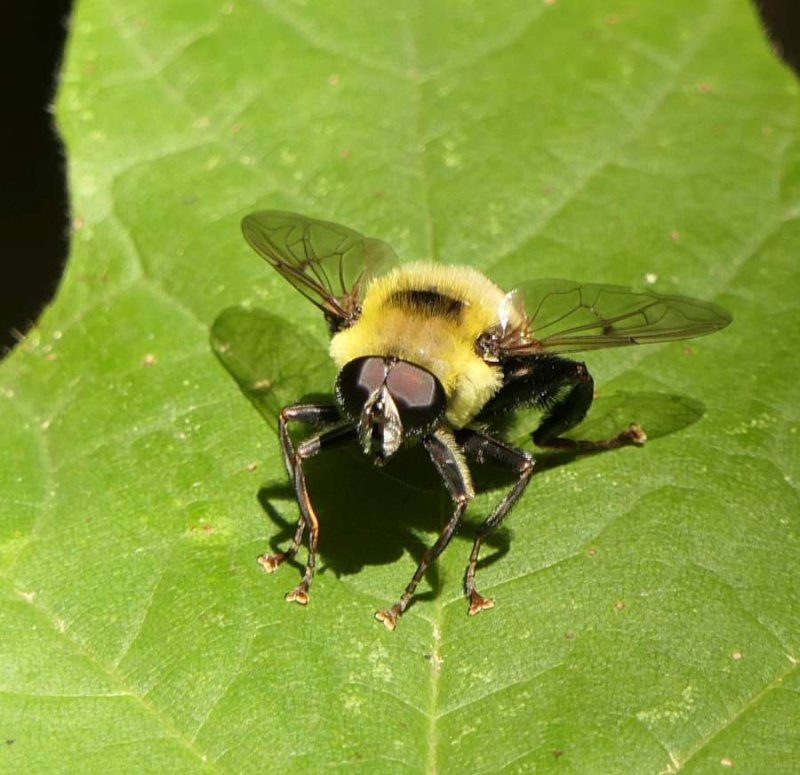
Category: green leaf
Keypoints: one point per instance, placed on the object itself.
(648, 614)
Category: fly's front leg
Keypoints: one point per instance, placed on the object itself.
(316, 415)
(310, 414)
(450, 464)
(481, 445)
(306, 450)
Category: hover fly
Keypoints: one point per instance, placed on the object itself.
(432, 354)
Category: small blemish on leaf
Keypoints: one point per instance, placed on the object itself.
(435, 660)
(148, 359)
(262, 384)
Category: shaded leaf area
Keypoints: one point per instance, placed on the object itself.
(269, 361)
(647, 613)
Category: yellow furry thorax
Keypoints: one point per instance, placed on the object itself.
(393, 324)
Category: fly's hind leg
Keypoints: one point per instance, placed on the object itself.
(562, 387)
(567, 410)
(481, 446)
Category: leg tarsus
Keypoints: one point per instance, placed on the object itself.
(633, 435)
(478, 603)
(299, 594)
(389, 616)
(271, 562)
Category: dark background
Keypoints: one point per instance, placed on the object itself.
(34, 199)
(33, 194)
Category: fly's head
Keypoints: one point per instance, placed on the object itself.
(389, 401)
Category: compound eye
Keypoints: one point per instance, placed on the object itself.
(418, 395)
(357, 381)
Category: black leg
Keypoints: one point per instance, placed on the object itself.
(316, 415)
(444, 453)
(570, 409)
(313, 415)
(565, 389)
(481, 446)
(310, 414)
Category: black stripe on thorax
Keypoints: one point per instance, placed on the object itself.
(428, 302)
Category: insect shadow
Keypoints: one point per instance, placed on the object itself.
(370, 516)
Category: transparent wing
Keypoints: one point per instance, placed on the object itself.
(328, 263)
(564, 316)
